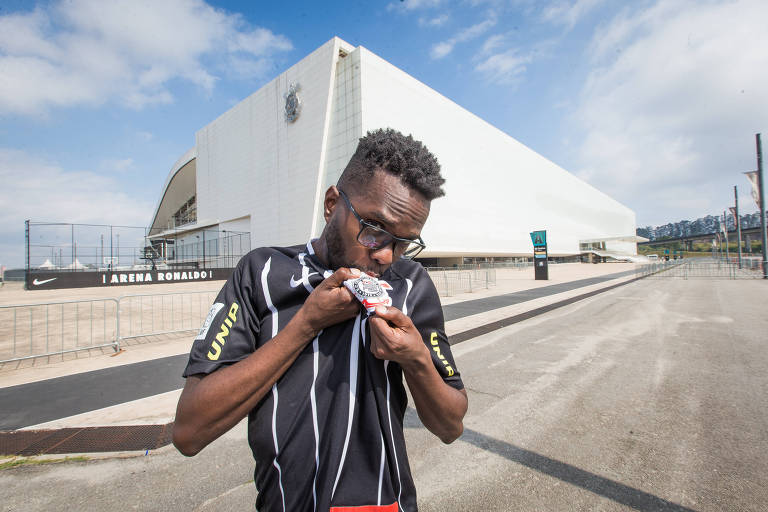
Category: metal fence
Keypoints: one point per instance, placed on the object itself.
(54, 328)
(519, 265)
(93, 247)
(451, 281)
(37, 330)
(700, 268)
(151, 315)
(34, 330)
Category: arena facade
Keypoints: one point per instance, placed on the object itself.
(263, 167)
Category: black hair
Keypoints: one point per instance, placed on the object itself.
(397, 154)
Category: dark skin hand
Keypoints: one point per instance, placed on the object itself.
(441, 407)
(212, 404)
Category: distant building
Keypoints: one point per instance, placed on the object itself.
(261, 170)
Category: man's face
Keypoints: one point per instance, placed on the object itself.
(384, 202)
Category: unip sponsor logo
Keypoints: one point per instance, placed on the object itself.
(221, 337)
(440, 356)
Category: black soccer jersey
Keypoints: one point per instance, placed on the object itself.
(330, 434)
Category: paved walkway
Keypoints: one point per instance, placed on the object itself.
(146, 391)
(649, 396)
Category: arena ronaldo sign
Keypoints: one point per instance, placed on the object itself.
(49, 280)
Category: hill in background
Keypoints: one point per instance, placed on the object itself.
(700, 226)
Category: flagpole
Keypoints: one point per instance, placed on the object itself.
(761, 188)
(738, 220)
(725, 235)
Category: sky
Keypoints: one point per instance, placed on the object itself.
(654, 102)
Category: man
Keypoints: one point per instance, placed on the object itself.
(287, 344)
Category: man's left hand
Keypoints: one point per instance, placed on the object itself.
(395, 338)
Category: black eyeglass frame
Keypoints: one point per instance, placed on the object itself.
(393, 239)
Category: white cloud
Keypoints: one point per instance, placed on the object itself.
(440, 50)
(118, 164)
(670, 109)
(492, 43)
(411, 5)
(437, 21)
(569, 13)
(86, 52)
(39, 190)
(505, 67)
(443, 48)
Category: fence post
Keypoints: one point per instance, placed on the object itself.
(116, 345)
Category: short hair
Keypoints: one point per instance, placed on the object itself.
(399, 155)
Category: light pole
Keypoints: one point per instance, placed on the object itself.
(761, 189)
(737, 219)
(225, 248)
(725, 235)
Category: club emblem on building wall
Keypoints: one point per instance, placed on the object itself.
(292, 103)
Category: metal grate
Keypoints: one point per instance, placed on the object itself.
(85, 439)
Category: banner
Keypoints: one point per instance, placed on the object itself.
(48, 280)
(735, 217)
(752, 177)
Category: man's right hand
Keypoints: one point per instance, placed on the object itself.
(330, 303)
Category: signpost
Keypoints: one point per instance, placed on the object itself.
(539, 239)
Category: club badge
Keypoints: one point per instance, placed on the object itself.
(370, 292)
(292, 103)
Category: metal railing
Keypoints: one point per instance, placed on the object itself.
(155, 314)
(37, 330)
(699, 268)
(47, 329)
(450, 281)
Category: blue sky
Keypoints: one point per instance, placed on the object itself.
(655, 103)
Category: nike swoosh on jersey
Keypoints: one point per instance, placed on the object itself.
(295, 283)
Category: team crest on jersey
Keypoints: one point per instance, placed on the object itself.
(209, 320)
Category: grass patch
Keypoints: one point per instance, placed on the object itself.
(14, 463)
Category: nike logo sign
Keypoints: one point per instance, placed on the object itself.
(38, 283)
(295, 283)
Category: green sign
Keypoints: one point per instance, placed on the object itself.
(539, 238)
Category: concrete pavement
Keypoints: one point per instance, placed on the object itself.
(646, 397)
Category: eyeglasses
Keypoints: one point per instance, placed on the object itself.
(374, 237)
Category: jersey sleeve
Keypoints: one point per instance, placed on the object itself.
(426, 312)
(230, 330)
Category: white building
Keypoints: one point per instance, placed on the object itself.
(254, 170)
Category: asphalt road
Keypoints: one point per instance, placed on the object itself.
(648, 397)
